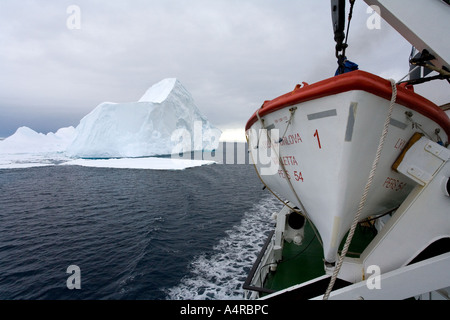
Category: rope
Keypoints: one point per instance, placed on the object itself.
(268, 188)
(302, 208)
(269, 138)
(365, 193)
(292, 110)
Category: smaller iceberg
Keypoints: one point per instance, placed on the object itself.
(27, 148)
(164, 121)
(26, 140)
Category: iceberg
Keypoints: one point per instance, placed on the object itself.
(27, 148)
(26, 140)
(164, 121)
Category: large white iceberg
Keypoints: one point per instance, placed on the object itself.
(164, 121)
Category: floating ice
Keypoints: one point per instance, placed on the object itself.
(164, 121)
(140, 163)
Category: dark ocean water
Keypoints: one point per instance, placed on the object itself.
(134, 234)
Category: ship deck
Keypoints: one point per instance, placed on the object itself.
(301, 263)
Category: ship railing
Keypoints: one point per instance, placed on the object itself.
(254, 284)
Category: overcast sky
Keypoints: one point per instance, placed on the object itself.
(231, 55)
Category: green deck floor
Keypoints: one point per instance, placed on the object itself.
(305, 262)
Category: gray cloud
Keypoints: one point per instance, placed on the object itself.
(231, 55)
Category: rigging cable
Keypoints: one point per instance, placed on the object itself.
(341, 56)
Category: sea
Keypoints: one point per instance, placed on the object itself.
(87, 233)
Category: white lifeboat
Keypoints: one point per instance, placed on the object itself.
(315, 147)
